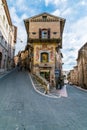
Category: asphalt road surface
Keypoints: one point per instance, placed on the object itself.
(22, 108)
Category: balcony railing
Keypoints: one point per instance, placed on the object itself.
(32, 40)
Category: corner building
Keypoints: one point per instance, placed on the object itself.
(44, 41)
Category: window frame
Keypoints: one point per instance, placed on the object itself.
(44, 60)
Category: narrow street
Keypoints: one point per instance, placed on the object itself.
(22, 108)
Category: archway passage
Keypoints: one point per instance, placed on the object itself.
(0, 58)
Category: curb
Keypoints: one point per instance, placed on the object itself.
(6, 73)
(80, 88)
(43, 94)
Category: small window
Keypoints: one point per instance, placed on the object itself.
(3, 18)
(5, 43)
(54, 32)
(7, 26)
(33, 33)
(0, 56)
(44, 17)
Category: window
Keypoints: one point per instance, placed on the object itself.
(3, 19)
(33, 33)
(7, 26)
(44, 57)
(0, 58)
(44, 33)
(5, 44)
(44, 18)
(54, 32)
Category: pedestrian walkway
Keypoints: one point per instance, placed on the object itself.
(4, 73)
(62, 92)
(53, 91)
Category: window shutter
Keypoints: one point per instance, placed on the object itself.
(48, 33)
(39, 33)
(60, 28)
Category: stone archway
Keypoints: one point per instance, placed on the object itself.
(0, 58)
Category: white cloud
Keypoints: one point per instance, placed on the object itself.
(67, 11)
(74, 39)
(21, 33)
(14, 15)
(56, 2)
(56, 12)
(82, 3)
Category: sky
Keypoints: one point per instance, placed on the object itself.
(75, 30)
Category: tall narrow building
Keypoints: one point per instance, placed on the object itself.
(44, 41)
(8, 34)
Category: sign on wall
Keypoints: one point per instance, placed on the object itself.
(57, 73)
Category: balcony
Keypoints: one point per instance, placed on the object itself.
(53, 40)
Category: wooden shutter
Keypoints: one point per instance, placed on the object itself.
(48, 33)
(39, 33)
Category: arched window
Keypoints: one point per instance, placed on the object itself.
(44, 57)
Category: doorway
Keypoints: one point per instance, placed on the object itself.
(0, 58)
(45, 74)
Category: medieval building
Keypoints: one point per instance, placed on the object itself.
(82, 66)
(44, 41)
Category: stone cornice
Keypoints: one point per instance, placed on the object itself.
(7, 11)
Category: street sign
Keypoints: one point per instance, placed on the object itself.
(57, 73)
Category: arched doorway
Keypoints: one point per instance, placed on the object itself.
(0, 58)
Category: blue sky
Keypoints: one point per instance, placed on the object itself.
(75, 30)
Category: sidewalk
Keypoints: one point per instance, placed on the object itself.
(53, 93)
(4, 73)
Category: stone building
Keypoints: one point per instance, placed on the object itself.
(65, 74)
(16, 60)
(44, 41)
(22, 59)
(71, 76)
(82, 66)
(8, 33)
(75, 80)
(24, 55)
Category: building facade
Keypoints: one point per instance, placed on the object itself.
(8, 33)
(44, 37)
(78, 75)
(82, 66)
(75, 80)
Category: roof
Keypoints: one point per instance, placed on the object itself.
(81, 49)
(42, 14)
(26, 21)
